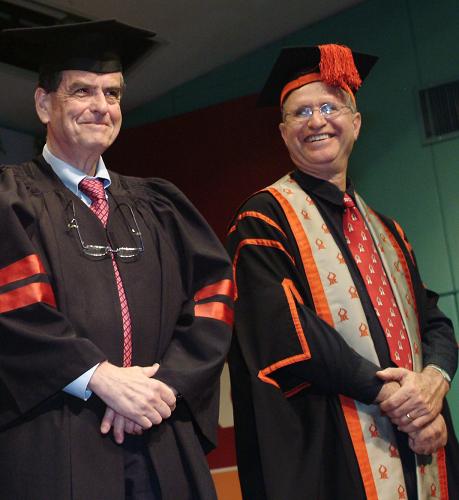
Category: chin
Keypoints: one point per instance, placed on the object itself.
(321, 161)
(99, 143)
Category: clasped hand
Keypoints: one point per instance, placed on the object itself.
(135, 400)
(413, 402)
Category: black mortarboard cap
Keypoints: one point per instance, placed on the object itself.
(295, 61)
(106, 46)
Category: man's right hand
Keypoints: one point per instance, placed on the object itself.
(132, 393)
(387, 390)
(419, 400)
(423, 439)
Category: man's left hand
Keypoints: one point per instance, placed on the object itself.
(429, 439)
(121, 425)
(419, 399)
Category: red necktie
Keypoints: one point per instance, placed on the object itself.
(378, 287)
(94, 189)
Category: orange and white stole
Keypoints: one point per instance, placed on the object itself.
(337, 302)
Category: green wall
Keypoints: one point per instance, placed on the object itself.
(418, 184)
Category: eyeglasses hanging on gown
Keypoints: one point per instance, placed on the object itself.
(101, 251)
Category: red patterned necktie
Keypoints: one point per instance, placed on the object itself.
(378, 287)
(94, 189)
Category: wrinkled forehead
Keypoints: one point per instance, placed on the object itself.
(71, 77)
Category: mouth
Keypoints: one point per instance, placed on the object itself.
(317, 137)
(96, 124)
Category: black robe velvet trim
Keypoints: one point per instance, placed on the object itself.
(299, 447)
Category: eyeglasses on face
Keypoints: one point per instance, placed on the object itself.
(102, 251)
(329, 111)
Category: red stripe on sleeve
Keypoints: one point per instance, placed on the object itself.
(223, 287)
(21, 269)
(215, 310)
(27, 295)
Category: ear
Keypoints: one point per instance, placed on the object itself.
(357, 122)
(283, 131)
(43, 105)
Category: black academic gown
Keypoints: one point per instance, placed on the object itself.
(298, 448)
(50, 444)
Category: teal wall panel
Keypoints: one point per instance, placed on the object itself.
(435, 31)
(446, 157)
(448, 304)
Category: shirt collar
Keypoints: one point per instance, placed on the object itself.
(71, 176)
(322, 188)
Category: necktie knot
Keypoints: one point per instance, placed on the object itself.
(348, 201)
(93, 188)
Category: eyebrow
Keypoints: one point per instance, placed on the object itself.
(81, 83)
(325, 100)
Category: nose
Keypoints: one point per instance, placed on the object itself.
(99, 102)
(317, 119)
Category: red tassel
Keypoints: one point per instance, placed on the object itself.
(337, 66)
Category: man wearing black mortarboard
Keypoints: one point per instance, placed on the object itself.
(341, 359)
(115, 296)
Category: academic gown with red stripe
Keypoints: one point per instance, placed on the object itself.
(60, 315)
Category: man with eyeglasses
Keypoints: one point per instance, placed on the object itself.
(341, 359)
(115, 296)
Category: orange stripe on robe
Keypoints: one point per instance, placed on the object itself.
(442, 474)
(255, 242)
(318, 295)
(291, 293)
(256, 215)
(358, 442)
